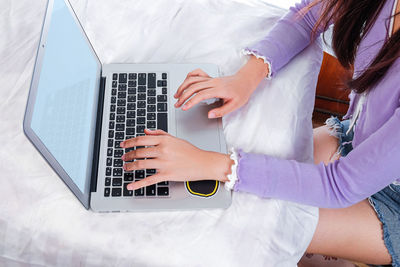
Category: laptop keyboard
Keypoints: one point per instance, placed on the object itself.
(138, 101)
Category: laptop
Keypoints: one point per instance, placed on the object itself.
(78, 111)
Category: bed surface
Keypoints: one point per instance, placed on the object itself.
(41, 222)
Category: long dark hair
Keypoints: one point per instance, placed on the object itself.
(352, 21)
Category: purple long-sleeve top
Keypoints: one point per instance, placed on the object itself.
(374, 162)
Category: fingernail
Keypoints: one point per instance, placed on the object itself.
(184, 107)
(121, 144)
(212, 115)
(123, 157)
(130, 187)
(124, 167)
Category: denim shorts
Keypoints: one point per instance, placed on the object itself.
(386, 202)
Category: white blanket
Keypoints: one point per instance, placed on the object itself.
(41, 222)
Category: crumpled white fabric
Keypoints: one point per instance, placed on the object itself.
(41, 222)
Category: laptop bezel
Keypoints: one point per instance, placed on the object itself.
(83, 197)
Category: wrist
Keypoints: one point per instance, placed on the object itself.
(254, 71)
(219, 166)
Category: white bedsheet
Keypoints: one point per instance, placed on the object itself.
(41, 222)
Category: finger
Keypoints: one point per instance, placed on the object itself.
(154, 179)
(148, 152)
(141, 165)
(193, 89)
(155, 132)
(226, 108)
(203, 95)
(188, 82)
(141, 141)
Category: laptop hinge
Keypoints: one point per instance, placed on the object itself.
(96, 148)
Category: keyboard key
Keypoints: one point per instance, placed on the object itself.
(141, 120)
(117, 144)
(164, 83)
(151, 100)
(117, 182)
(107, 181)
(116, 192)
(111, 125)
(151, 80)
(129, 149)
(162, 191)
(159, 83)
(132, 91)
(141, 97)
(151, 124)
(151, 171)
(131, 106)
(128, 176)
(121, 118)
(141, 112)
(132, 83)
(120, 127)
(110, 142)
(162, 121)
(151, 92)
(162, 98)
(139, 174)
(161, 107)
(122, 87)
(110, 134)
(112, 108)
(118, 153)
(130, 131)
(130, 123)
(151, 190)
(163, 183)
(140, 129)
(113, 100)
(164, 76)
(164, 91)
(127, 193)
(109, 162)
(121, 94)
(132, 76)
(129, 137)
(113, 92)
(131, 114)
(117, 172)
(108, 171)
(112, 116)
(139, 192)
(123, 78)
(115, 76)
(119, 135)
(118, 163)
(141, 104)
(114, 84)
(121, 102)
(142, 89)
(151, 116)
(132, 98)
(109, 152)
(142, 79)
(121, 110)
(107, 192)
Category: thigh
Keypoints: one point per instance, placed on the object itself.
(353, 233)
(325, 145)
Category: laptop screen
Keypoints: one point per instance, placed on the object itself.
(63, 113)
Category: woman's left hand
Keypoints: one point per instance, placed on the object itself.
(174, 159)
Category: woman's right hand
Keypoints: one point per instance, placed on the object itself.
(233, 90)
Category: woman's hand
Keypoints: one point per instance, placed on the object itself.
(174, 159)
(234, 90)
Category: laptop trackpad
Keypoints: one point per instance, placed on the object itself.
(195, 127)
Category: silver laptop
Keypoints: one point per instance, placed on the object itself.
(79, 110)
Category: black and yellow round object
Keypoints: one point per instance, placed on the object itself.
(206, 188)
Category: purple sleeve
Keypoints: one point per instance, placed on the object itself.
(289, 36)
(368, 168)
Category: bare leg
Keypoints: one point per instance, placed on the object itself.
(353, 233)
